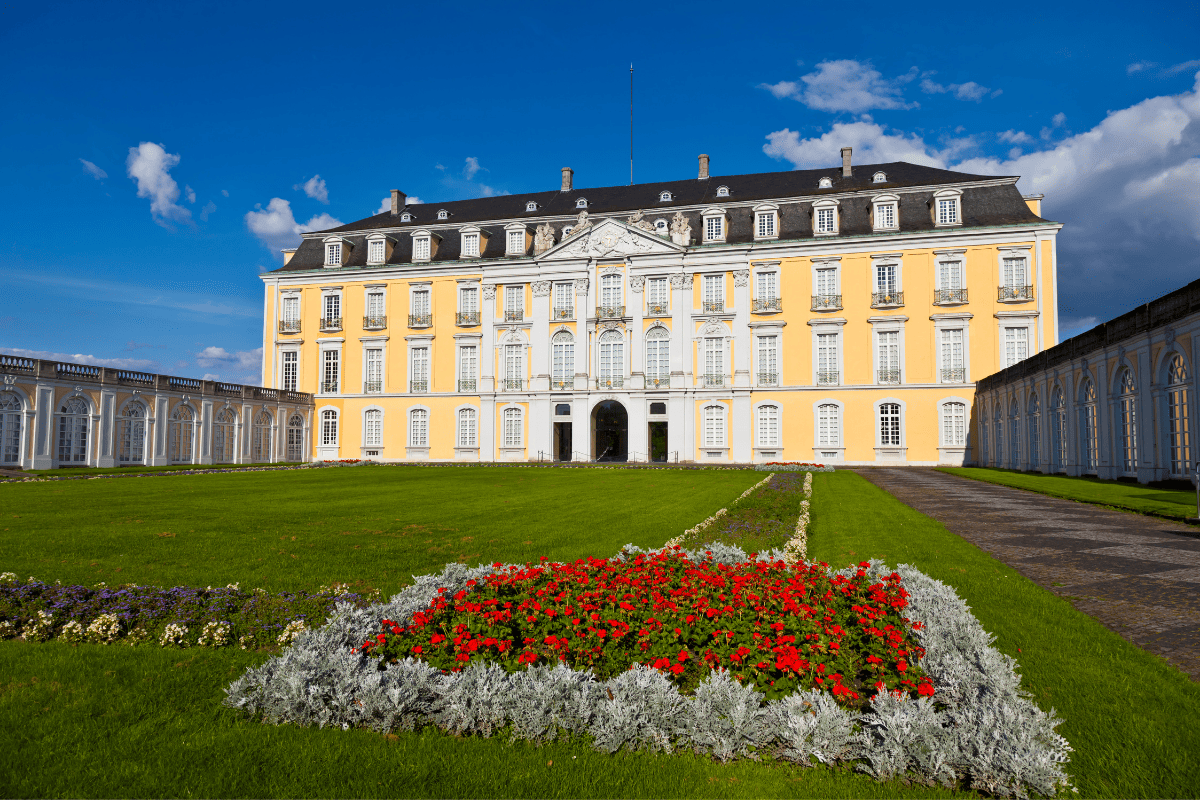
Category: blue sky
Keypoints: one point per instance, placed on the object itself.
(156, 156)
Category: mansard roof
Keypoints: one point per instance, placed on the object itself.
(995, 202)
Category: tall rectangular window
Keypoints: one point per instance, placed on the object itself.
(374, 370)
(330, 370)
(1016, 345)
(827, 359)
(468, 367)
(374, 304)
(657, 296)
(768, 426)
(885, 279)
(418, 428)
(375, 251)
(714, 229)
(470, 245)
(947, 211)
(827, 281)
(714, 361)
(514, 303)
(291, 363)
(421, 248)
(333, 308)
(466, 428)
(889, 424)
(714, 292)
(513, 429)
(768, 360)
(333, 254)
(885, 216)
(954, 424)
(516, 243)
(373, 428)
(291, 308)
(766, 224)
(826, 220)
(950, 275)
(562, 370)
(714, 426)
(658, 355)
(766, 285)
(1015, 274)
(419, 357)
(468, 299)
(420, 302)
(514, 366)
(829, 426)
(610, 290)
(888, 361)
(951, 352)
(564, 301)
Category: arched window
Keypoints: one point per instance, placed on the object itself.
(224, 436)
(131, 433)
(179, 434)
(768, 426)
(418, 428)
(829, 425)
(954, 424)
(658, 356)
(295, 438)
(443, 214)
(825, 183)
(1014, 434)
(372, 427)
(664, 197)
(562, 357)
(1178, 427)
(329, 427)
(1034, 415)
(1058, 432)
(466, 428)
(514, 430)
(73, 431)
(531, 206)
(10, 428)
(1087, 426)
(581, 202)
(714, 426)
(612, 359)
(889, 424)
(998, 450)
(722, 191)
(661, 227)
(261, 437)
(1127, 393)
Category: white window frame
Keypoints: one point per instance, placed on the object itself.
(718, 411)
(421, 293)
(877, 409)
(1015, 323)
(771, 274)
(375, 289)
(378, 251)
(507, 441)
(771, 338)
(877, 204)
(531, 206)
(332, 294)
(826, 205)
(887, 261)
(367, 437)
(879, 177)
(722, 191)
(283, 362)
(516, 240)
(943, 410)
(443, 214)
(512, 290)
(760, 409)
(414, 344)
(830, 263)
(944, 322)
(664, 197)
(422, 246)
(610, 359)
(418, 434)
(954, 198)
(335, 251)
(563, 378)
(324, 415)
(828, 326)
(662, 373)
(471, 445)
(470, 243)
(80, 433)
(581, 202)
(838, 448)
(561, 292)
(662, 227)
(286, 298)
(887, 325)
(717, 216)
(710, 280)
(323, 360)
(658, 293)
(406, 217)
(766, 222)
(368, 344)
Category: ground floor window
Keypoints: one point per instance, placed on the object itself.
(954, 424)
(889, 424)
(224, 436)
(73, 431)
(295, 438)
(179, 435)
(513, 429)
(466, 427)
(10, 429)
(261, 443)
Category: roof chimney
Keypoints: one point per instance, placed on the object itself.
(703, 168)
(568, 174)
(846, 151)
(398, 200)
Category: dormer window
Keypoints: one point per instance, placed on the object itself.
(714, 225)
(884, 212)
(662, 227)
(825, 217)
(946, 207)
(581, 202)
(880, 177)
(470, 243)
(422, 246)
(335, 252)
(825, 183)
(515, 243)
(664, 197)
(722, 191)
(567, 230)
(406, 217)
(531, 206)
(443, 214)
(378, 250)
(766, 222)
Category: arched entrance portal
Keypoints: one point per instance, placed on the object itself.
(610, 424)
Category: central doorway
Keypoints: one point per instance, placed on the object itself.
(610, 422)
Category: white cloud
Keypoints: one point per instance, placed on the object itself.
(1015, 137)
(1138, 67)
(225, 192)
(219, 357)
(870, 142)
(471, 167)
(315, 188)
(140, 364)
(208, 209)
(190, 193)
(845, 85)
(276, 227)
(385, 206)
(963, 91)
(93, 170)
(465, 184)
(1184, 67)
(149, 164)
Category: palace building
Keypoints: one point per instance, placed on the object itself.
(839, 315)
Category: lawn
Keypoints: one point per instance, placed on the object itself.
(90, 471)
(119, 721)
(1113, 494)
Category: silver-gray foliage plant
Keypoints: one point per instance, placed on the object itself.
(979, 727)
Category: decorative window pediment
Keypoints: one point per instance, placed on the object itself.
(337, 251)
(825, 217)
(947, 207)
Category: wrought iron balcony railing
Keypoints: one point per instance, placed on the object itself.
(562, 383)
(420, 320)
(765, 304)
(713, 306)
(466, 385)
(887, 376)
(614, 382)
(826, 302)
(289, 326)
(374, 323)
(466, 318)
(712, 381)
(610, 312)
(514, 315)
(658, 381)
(373, 387)
(1014, 294)
(827, 377)
(949, 297)
(887, 299)
(418, 386)
(331, 323)
(329, 387)
(768, 379)
(563, 312)
(658, 309)
(954, 375)
(512, 384)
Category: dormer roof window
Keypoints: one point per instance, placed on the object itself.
(947, 207)
(470, 247)
(406, 217)
(722, 191)
(880, 177)
(423, 243)
(581, 202)
(336, 251)
(443, 214)
(664, 197)
(531, 206)
(825, 183)
(825, 217)
(379, 249)
(662, 227)
(766, 221)
(884, 212)
(515, 240)
(714, 224)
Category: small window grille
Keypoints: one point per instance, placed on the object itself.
(714, 228)
(333, 254)
(466, 427)
(418, 428)
(516, 242)
(826, 220)
(373, 428)
(948, 211)
(889, 425)
(766, 224)
(581, 203)
(443, 214)
(885, 215)
(664, 197)
(421, 248)
(722, 191)
(470, 246)
(880, 177)
(290, 365)
(406, 217)
(531, 206)
(375, 253)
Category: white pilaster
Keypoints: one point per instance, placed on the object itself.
(539, 364)
(639, 429)
(487, 355)
(681, 335)
(581, 424)
(742, 436)
(741, 331)
(487, 426)
(108, 402)
(582, 346)
(637, 349)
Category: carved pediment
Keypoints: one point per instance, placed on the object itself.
(611, 238)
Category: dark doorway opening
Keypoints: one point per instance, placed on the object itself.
(562, 441)
(611, 424)
(658, 441)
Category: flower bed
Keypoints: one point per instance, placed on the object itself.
(978, 730)
(792, 466)
(766, 518)
(783, 627)
(177, 617)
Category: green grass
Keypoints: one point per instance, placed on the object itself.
(1133, 719)
(370, 526)
(1113, 494)
(73, 471)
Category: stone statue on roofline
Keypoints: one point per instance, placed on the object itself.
(638, 221)
(581, 224)
(681, 229)
(543, 240)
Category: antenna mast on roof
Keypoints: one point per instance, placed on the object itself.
(631, 124)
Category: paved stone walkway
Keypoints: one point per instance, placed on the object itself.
(1138, 575)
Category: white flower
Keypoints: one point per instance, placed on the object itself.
(293, 629)
(215, 634)
(173, 635)
(6, 577)
(72, 632)
(105, 629)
